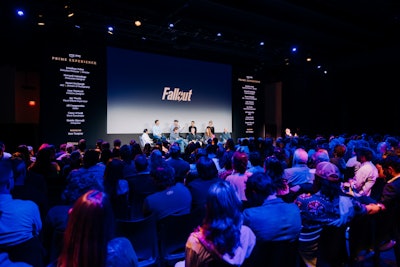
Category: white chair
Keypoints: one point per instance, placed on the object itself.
(141, 142)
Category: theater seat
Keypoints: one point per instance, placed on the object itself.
(274, 254)
(143, 235)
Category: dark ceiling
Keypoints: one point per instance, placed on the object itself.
(340, 32)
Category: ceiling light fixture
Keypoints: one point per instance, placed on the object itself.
(110, 30)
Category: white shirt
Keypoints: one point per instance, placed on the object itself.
(146, 138)
(157, 130)
(364, 179)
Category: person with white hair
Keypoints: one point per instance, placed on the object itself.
(299, 177)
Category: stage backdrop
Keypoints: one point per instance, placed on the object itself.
(113, 93)
(143, 87)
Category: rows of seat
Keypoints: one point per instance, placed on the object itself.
(160, 242)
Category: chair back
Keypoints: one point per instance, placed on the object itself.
(173, 232)
(31, 252)
(141, 141)
(274, 254)
(143, 235)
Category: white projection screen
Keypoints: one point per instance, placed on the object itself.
(143, 87)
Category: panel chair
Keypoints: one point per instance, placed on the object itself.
(173, 232)
(142, 233)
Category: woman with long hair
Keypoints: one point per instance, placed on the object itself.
(89, 237)
(222, 237)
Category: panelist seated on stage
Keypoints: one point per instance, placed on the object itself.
(225, 135)
(157, 132)
(193, 136)
(176, 124)
(174, 137)
(146, 138)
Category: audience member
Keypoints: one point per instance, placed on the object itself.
(20, 223)
(156, 159)
(105, 154)
(365, 177)
(337, 158)
(389, 204)
(239, 175)
(207, 175)
(222, 237)
(3, 153)
(228, 152)
(327, 210)
(117, 188)
(74, 162)
(256, 162)
(46, 166)
(127, 160)
(352, 164)
(274, 168)
(171, 197)
(299, 176)
(82, 146)
(270, 218)
(89, 176)
(141, 185)
(26, 188)
(89, 236)
(181, 166)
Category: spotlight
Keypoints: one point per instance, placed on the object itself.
(20, 12)
(138, 23)
(219, 34)
(261, 43)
